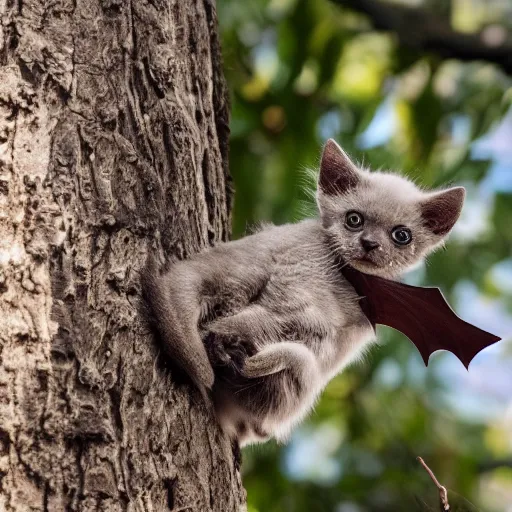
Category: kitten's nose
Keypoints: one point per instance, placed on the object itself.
(369, 245)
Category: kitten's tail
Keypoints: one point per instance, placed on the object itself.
(156, 306)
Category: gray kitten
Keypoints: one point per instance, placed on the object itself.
(267, 321)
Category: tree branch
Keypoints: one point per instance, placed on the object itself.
(423, 30)
(490, 465)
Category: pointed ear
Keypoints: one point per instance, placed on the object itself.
(442, 209)
(337, 172)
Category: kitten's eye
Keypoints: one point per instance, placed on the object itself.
(401, 235)
(354, 220)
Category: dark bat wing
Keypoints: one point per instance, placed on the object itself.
(422, 314)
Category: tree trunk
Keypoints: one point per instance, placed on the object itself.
(113, 143)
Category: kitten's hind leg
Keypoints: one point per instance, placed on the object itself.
(272, 391)
(280, 384)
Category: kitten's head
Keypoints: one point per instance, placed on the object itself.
(381, 223)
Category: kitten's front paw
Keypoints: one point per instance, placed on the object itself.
(216, 351)
(230, 351)
(239, 352)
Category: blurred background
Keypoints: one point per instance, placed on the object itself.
(423, 87)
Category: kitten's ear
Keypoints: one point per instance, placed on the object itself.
(337, 172)
(442, 209)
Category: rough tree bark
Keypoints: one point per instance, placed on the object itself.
(113, 142)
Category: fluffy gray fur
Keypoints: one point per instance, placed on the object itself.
(267, 321)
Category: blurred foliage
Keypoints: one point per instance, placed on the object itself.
(302, 71)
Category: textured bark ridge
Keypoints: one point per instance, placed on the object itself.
(113, 142)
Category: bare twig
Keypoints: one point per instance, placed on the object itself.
(443, 493)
